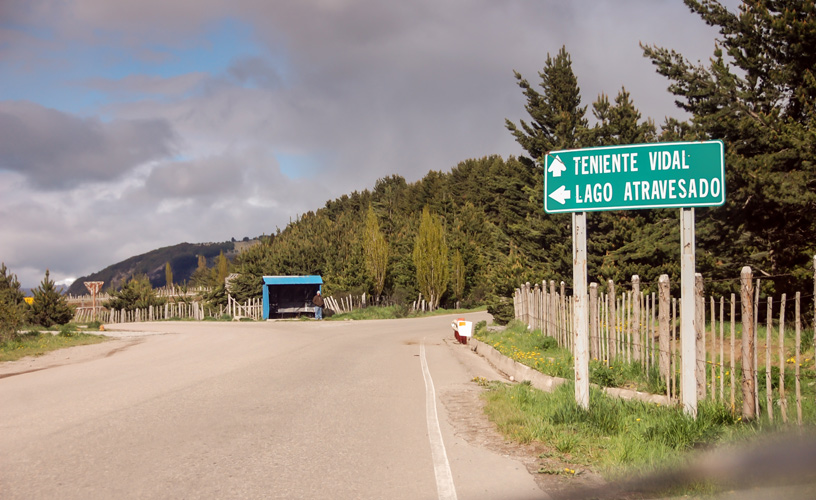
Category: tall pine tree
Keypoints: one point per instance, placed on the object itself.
(758, 94)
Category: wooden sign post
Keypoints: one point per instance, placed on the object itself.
(94, 287)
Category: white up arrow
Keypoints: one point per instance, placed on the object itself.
(556, 167)
(561, 195)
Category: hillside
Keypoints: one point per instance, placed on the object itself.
(183, 259)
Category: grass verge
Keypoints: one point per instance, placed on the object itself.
(396, 312)
(37, 343)
(616, 438)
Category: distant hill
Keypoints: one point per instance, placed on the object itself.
(183, 259)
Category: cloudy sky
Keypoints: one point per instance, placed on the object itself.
(129, 125)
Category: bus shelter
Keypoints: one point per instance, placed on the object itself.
(289, 295)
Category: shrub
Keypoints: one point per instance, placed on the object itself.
(502, 310)
(137, 293)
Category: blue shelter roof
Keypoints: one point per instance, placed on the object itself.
(293, 280)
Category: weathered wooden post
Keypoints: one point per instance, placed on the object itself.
(552, 326)
(594, 323)
(664, 360)
(637, 345)
(783, 400)
(768, 386)
(699, 330)
(746, 293)
(612, 350)
(797, 359)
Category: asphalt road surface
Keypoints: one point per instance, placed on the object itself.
(295, 409)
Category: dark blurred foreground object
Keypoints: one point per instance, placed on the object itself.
(780, 466)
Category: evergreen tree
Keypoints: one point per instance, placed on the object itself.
(557, 118)
(758, 95)
(136, 293)
(558, 121)
(376, 252)
(49, 307)
(12, 305)
(431, 257)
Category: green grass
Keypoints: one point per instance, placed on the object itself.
(37, 343)
(614, 437)
(618, 437)
(395, 312)
(531, 348)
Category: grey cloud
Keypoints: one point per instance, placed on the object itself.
(207, 178)
(54, 150)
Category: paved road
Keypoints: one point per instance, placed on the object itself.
(252, 410)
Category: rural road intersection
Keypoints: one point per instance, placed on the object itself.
(287, 409)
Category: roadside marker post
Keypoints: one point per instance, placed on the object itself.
(629, 177)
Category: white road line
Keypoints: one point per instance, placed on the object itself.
(444, 479)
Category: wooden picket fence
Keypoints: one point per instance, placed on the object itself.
(187, 310)
(348, 303)
(630, 326)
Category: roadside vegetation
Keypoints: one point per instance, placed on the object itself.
(615, 438)
(396, 312)
(36, 341)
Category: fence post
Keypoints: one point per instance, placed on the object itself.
(637, 342)
(663, 327)
(594, 324)
(699, 327)
(783, 400)
(797, 360)
(768, 386)
(613, 323)
(746, 293)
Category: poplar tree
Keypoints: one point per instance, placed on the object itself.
(758, 95)
(375, 250)
(168, 275)
(431, 257)
(221, 269)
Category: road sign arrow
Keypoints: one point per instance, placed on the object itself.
(561, 195)
(556, 167)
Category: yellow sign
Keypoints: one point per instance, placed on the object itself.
(29, 300)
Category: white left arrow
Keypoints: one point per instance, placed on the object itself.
(561, 195)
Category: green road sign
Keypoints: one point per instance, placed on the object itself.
(660, 175)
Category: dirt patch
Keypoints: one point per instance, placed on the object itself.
(66, 356)
(465, 409)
